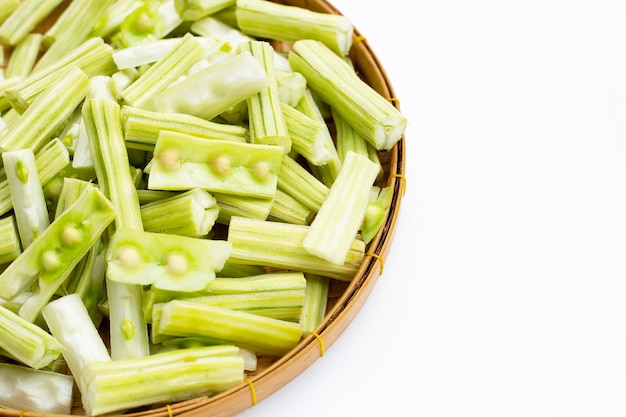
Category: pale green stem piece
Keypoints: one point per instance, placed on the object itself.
(257, 333)
(263, 282)
(266, 120)
(183, 162)
(152, 20)
(10, 247)
(299, 183)
(162, 378)
(29, 203)
(38, 391)
(235, 205)
(378, 205)
(315, 302)
(103, 123)
(371, 114)
(70, 323)
(337, 222)
(254, 243)
(264, 19)
(142, 127)
(287, 209)
(71, 29)
(129, 334)
(311, 107)
(281, 305)
(192, 213)
(26, 342)
(50, 110)
(7, 7)
(24, 19)
(308, 136)
(93, 57)
(279, 295)
(348, 139)
(163, 72)
(24, 56)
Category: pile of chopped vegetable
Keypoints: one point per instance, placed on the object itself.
(169, 171)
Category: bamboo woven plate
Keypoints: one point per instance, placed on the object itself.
(345, 299)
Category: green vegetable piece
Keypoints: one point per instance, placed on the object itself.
(183, 162)
(281, 305)
(71, 28)
(166, 261)
(49, 259)
(93, 57)
(10, 247)
(371, 114)
(142, 127)
(308, 136)
(106, 140)
(24, 19)
(25, 341)
(336, 224)
(24, 56)
(244, 206)
(287, 209)
(300, 184)
(164, 377)
(255, 243)
(279, 295)
(379, 201)
(47, 113)
(326, 173)
(192, 213)
(256, 333)
(348, 139)
(7, 7)
(29, 204)
(264, 19)
(315, 302)
(266, 120)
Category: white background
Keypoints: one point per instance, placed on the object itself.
(505, 290)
